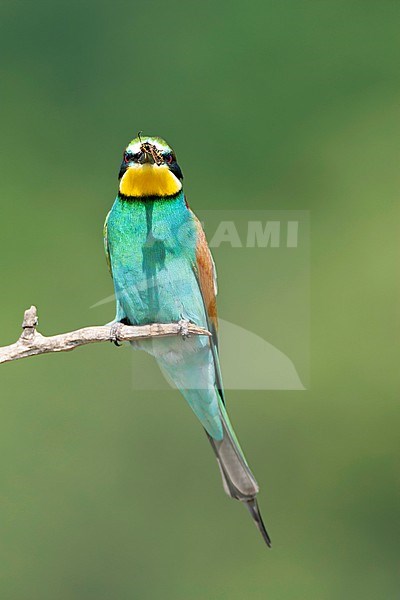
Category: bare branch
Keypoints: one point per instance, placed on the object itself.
(31, 342)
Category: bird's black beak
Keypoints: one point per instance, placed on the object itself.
(146, 157)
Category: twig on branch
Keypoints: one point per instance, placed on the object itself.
(31, 342)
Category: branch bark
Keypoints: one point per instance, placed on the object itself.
(31, 342)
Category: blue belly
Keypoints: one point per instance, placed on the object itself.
(152, 247)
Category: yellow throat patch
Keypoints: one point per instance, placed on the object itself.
(149, 180)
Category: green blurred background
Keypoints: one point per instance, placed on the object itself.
(110, 493)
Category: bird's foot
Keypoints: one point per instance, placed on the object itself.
(115, 332)
(184, 329)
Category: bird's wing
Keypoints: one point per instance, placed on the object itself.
(238, 480)
(204, 269)
(106, 248)
(206, 275)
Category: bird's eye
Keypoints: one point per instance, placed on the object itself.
(170, 158)
(129, 157)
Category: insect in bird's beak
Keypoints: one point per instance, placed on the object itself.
(150, 154)
(146, 157)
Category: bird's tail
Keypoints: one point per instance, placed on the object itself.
(237, 478)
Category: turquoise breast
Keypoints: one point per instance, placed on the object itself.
(152, 247)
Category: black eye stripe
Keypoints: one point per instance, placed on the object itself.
(130, 156)
(168, 156)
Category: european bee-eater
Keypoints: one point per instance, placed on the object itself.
(163, 272)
